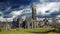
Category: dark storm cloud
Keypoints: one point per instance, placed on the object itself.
(4, 4)
(14, 4)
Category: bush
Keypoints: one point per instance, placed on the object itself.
(0, 30)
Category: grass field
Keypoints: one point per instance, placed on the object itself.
(30, 31)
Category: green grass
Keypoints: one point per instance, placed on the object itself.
(26, 31)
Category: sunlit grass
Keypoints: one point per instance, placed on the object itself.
(28, 31)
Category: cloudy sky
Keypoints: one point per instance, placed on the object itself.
(21, 8)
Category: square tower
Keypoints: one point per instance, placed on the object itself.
(34, 12)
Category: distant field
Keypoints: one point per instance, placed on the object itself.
(30, 31)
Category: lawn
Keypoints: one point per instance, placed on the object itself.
(29, 31)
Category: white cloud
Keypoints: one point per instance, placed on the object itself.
(1, 16)
(1, 13)
(16, 13)
(9, 19)
(24, 17)
(49, 0)
(43, 1)
(2, 19)
(58, 16)
(52, 7)
(27, 10)
(20, 12)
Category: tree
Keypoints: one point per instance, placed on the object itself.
(45, 21)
